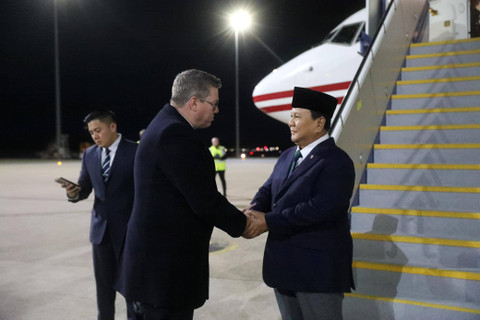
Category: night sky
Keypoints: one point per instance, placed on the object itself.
(123, 55)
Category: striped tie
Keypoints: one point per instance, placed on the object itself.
(106, 165)
(298, 155)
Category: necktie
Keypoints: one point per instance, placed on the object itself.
(106, 165)
(298, 155)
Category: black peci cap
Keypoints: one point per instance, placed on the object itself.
(314, 100)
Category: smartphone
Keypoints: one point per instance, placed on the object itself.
(65, 181)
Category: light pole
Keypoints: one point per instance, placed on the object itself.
(240, 20)
(58, 130)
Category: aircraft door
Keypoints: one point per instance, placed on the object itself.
(448, 20)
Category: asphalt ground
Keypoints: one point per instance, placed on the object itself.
(46, 267)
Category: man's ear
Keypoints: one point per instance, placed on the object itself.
(193, 104)
(321, 121)
(113, 126)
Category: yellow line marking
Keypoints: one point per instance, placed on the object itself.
(435, 95)
(416, 303)
(445, 66)
(428, 146)
(443, 80)
(442, 54)
(420, 213)
(417, 270)
(406, 239)
(388, 187)
(231, 247)
(431, 127)
(436, 43)
(436, 110)
(423, 166)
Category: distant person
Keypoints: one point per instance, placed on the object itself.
(164, 267)
(308, 254)
(219, 154)
(107, 168)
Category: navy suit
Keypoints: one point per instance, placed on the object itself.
(110, 214)
(165, 259)
(309, 246)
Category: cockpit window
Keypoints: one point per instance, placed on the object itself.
(347, 34)
(330, 36)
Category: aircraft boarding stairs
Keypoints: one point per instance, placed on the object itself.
(416, 229)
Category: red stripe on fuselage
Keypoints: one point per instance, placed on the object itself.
(289, 93)
(286, 107)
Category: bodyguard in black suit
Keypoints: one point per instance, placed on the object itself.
(107, 168)
(165, 260)
(308, 254)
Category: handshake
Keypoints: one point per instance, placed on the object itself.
(256, 223)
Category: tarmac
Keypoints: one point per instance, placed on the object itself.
(46, 267)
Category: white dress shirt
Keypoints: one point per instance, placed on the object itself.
(113, 149)
(305, 151)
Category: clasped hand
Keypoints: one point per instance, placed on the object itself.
(256, 223)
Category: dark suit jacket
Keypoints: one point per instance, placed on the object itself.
(309, 246)
(114, 200)
(165, 260)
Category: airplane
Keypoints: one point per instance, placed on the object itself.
(328, 67)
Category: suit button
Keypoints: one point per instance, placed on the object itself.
(274, 205)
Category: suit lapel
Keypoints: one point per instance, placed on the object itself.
(316, 155)
(98, 171)
(118, 156)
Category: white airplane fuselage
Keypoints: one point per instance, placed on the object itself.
(329, 67)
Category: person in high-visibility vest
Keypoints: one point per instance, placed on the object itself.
(219, 154)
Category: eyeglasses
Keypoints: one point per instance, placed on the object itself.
(214, 105)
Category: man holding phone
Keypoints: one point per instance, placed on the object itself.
(107, 168)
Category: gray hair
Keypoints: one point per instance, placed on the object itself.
(191, 83)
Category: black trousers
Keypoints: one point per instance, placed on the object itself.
(309, 305)
(221, 174)
(104, 267)
(145, 311)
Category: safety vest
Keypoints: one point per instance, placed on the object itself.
(219, 151)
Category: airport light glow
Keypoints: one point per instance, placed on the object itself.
(240, 20)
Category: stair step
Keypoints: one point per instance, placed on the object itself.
(452, 133)
(435, 100)
(421, 213)
(417, 283)
(453, 175)
(441, 71)
(363, 306)
(438, 85)
(427, 153)
(435, 59)
(433, 116)
(447, 228)
(415, 232)
(445, 46)
(419, 251)
(420, 197)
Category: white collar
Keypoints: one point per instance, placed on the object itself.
(113, 147)
(305, 151)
